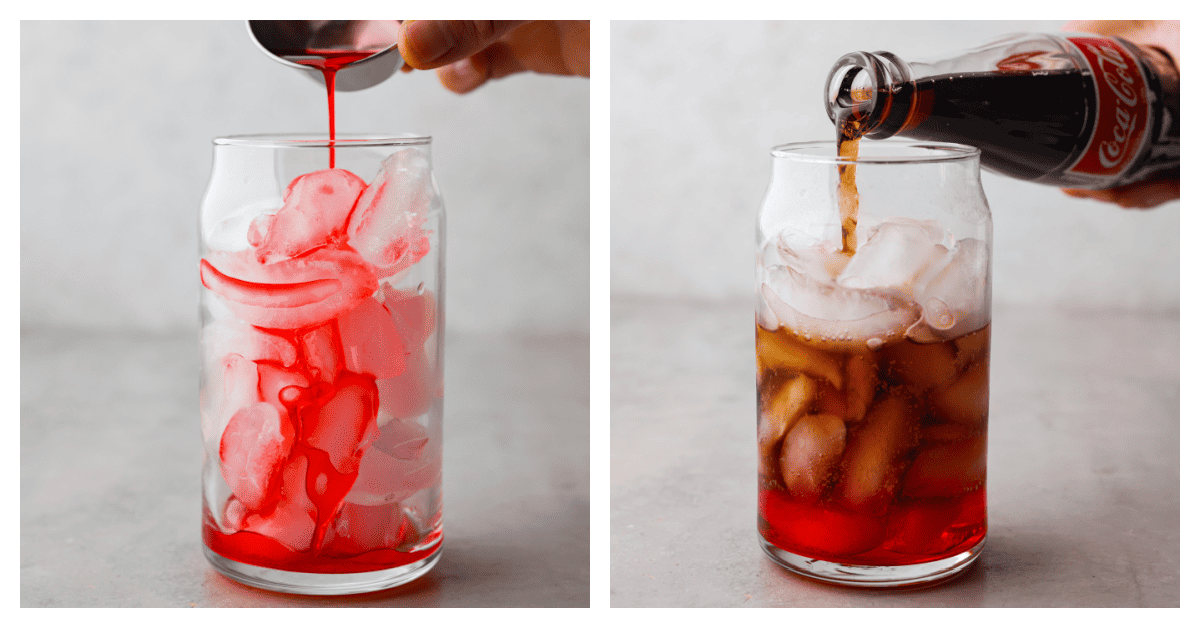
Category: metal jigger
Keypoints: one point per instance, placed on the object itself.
(292, 37)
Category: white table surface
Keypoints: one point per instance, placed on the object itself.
(1083, 466)
(110, 477)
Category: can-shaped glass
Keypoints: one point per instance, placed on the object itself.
(873, 317)
(321, 335)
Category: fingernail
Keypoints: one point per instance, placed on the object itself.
(426, 41)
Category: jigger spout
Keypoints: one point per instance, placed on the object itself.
(287, 41)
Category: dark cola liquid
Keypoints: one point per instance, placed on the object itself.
(872, 457)
(849, 133)
(1027, 125)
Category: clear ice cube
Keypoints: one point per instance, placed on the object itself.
(399, 462)
(254, 448)
(833, 316)
(370, 342)
(387, 226)
(955, 299)
(895, 256)
(315, 208)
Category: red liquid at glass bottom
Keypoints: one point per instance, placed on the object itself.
(913, 532)
(262, 551)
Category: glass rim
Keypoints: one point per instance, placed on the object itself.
(321, 140)
(916, 152)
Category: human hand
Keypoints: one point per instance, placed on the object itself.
(1162, 34)
(467, 54)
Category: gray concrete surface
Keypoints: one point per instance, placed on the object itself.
(110, 477)
(1083, 465)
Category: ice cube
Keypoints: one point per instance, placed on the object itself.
(230, 233)
(414, 316)
(361, 528)
(873, 456)
(414, 313)
(861, 379)
(821, 261)
(387, 226)
(223, 337)
(399, 462)
(832, 316)
(409, 394)
(384, 479)
(370, 342)
(895, 256)
(402, 439)
(793, 399)
(314, 213)
(235, 514)
(293, 293)
(233, 386)
(922, 366)
(274, 380)
(810, 454)
(322, 353)
(254, 448)
(777, 351)
(294, 520)
(966, 400)
(955, 299)
(948, 470)
(343, 421)
(764, 316)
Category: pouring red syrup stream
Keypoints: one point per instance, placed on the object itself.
(328, 62)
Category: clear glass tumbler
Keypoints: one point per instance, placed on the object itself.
(321, 334)
(873, 328)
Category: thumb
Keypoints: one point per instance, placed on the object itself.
(429, 44)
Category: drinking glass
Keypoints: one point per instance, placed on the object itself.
(873, 361)
(321, 334)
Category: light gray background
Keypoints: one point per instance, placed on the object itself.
(696, 107)
(117, 120)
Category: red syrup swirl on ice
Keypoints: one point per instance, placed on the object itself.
(320, 346)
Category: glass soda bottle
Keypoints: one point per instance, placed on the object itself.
(1077, 110)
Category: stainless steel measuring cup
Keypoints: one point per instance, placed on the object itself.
(278, 38)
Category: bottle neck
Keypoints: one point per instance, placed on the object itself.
(871, 94)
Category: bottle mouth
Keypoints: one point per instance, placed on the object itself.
(851, 84)
(861, 84)
(852, 87)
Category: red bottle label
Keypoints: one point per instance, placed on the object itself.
(1122, 108)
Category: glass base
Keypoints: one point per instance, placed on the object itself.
(873, 576)
(320, 583)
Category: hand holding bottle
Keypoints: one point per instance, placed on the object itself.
(467, 54)
(1163, 34)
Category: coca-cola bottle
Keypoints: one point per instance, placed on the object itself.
(1078, 111)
